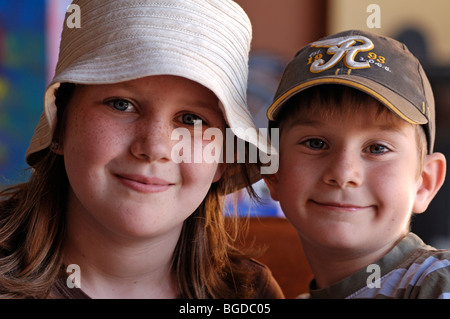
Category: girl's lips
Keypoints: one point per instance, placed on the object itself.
(144, 184)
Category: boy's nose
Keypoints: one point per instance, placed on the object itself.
(152, 141)
(344, 170)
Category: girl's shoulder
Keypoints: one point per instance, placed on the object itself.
(263, 282)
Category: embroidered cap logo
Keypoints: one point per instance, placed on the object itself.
(339, 48)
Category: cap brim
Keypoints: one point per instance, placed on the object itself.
(396, 103)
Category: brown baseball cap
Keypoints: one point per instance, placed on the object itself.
(377, 65)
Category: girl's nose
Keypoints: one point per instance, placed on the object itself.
(152, 140)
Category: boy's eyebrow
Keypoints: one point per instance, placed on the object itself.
(304, 122)
(388, 126)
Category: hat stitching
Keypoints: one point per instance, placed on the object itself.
(182, 9)
(107, 61)
(162, 5)
(127, 37)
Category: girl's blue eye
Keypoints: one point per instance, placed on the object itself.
(377, 149)
(315, 143)
(190, 119)
(121, 105)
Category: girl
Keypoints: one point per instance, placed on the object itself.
(105, 196)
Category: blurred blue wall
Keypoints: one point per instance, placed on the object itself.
(22, 82)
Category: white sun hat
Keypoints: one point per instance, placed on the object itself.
(206, 41)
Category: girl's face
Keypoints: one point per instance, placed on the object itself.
(117, 150)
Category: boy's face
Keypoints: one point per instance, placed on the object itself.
(348, 181)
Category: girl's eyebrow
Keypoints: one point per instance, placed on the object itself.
(132, 88)
(203, 105)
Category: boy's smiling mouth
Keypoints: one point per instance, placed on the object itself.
(337, 206)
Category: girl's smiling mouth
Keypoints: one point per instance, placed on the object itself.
(144, 184)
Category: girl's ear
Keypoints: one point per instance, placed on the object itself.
(433, 176)
(272, 184)
(219, 171)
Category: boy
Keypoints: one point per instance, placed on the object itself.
(356, 117)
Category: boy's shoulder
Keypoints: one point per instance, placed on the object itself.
(411, 270)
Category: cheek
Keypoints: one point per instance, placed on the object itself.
(196, 182)
(293, 188)
(89, 138)
(295, 174)
(89, 145)
(200, 160)
(198, 175)
(394, 187)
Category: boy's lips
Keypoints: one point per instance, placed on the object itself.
(340, 206)
(144, 184)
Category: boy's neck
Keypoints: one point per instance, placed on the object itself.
(331, 266)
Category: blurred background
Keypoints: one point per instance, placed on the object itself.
(29, 40)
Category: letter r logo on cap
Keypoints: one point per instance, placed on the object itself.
(339, 48)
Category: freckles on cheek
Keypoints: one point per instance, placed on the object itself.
(90, 137)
